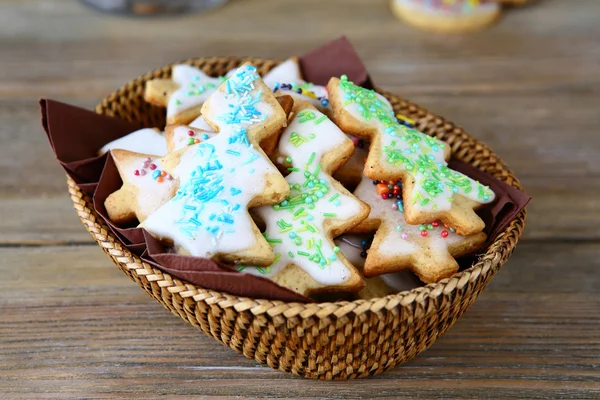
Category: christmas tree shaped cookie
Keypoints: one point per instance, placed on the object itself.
(189, 87)
(183, 94)
(428, 249)
(146, 187)
(432, 191)
(301, 227)
(224, 175)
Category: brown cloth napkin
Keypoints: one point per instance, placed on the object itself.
(509, 200)
(335, 58)
(76, 135)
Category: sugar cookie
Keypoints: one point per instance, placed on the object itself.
(146, 187)
(224, 175)
(428, 250)
(183, 94)
(204, 130)
(300, 228)
(431, 191)
(147, 141)
(180, 136)
(447, 16)
(354, 247)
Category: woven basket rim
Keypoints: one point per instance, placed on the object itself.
(487, 262)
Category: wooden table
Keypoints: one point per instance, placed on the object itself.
(73, 326)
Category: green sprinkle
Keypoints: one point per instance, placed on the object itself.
(288, 159)
(293, 169)
(332, 215)
(323, 118)
(336, 249)
(335, 196)
(177, 102)
(303, 253)
(311, 158)
(296, 139)
(291, 254)
(273, 240)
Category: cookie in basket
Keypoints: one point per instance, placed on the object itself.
(147, 141)
(447, 16)
(431, 190)
(181, 136)
(300, 228)
(224, 175)
(354, 247)
(183, 94)
(146, 187)
(429, 250)
(189, 87)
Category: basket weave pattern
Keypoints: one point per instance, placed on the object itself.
(323, 340)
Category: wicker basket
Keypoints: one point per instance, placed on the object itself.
(326, 340)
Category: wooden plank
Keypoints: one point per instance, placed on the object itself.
(75, 325)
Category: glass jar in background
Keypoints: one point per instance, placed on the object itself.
(153, 7)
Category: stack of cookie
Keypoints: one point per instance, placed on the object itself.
(286, 180)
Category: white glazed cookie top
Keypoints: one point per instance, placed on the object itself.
(403, 239)
(153, 185)
(183, 137)
(195, 87)
(146, 141)
(220, 176)
(408, 150)
(297, 227)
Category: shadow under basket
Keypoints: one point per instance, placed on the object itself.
(340, 340)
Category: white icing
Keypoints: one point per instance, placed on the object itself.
(146, 141)
(431, 149)
(287, 71)
(308, 137)
(459, 8)
(351, 248)
(200, 123)
(195, 87)
(180, 137)
(393, 244)
(242, 178)
(151, 194)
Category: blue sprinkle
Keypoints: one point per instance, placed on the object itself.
(155, 174)
(205, 137)
(234, 191)
(236, 207)
(337, 203)
(195, 221)
(292, 235)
